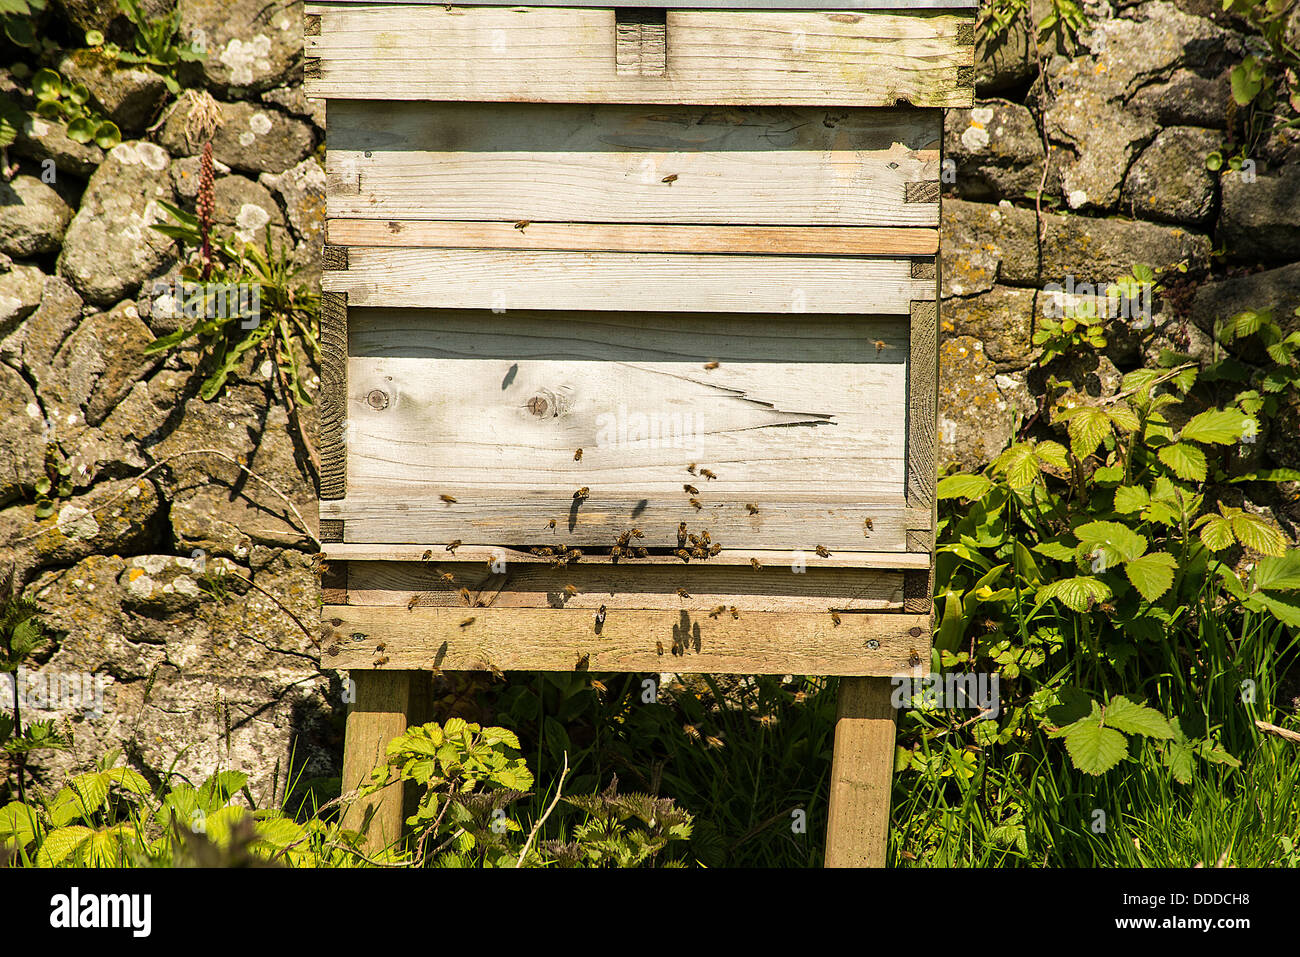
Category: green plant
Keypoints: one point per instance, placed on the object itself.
(58, 99)
(21, 633)
(156, 44)
(1065, 18)
(242, 300)
(17, 18)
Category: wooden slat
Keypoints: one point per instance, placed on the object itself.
(378, 713)
(641, 42)
(620, 237)
(567, 163)
(545, 279)
(333, 394)
(520, 519)
(624, 586)
(922, 411)
(714, 56)
(478, 554)
(316, 7)
(527, 639)
(857, 829)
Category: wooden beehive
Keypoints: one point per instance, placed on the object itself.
(670, 237)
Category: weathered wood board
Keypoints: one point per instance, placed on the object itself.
(564, 55)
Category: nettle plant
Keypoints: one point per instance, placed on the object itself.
(1115, 579)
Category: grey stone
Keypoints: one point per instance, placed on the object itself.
(102, 359)
(1002, 319)
(247, 210)
(33, 344)
(301, 190)
(110, 248)
(1187, 99)
(42, 139)
(21, 289)
(251, 44)
(1260, 219)
(252, 138)
(186, 173)
(976, 417)
(984, 245)
(129, 96)
(33, 217)
(1169, 180)
(1275, 289)
(1003, 60)
(997, 149)
(113, 518)
(293, 100)
(22, 421)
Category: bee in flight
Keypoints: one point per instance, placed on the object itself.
(465, 596)
(683, 593)
(717, 611)
(523, 223)
(691, 468)
(415, 600)
(467, 622)
(696, 503)
(711, 365)
(753, 509)
(571, 590)
(669, 179)
(449, 499)
(428, 553)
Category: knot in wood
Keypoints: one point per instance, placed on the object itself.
(377, 399)
(538, 406)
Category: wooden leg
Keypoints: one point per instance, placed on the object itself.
(857, 832)
(379, 714)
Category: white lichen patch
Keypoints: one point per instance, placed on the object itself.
(77, 522)
(245, 60)
(251, 218)
(259, 123)
(141, 586)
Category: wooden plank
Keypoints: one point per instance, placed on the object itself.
(377, 714)
(519, 519)
(714, 56)
(316, 7)
(922, 407)
(862, 768)
(503, 280)
(640, 41)
(333, 394)
(566, 163)
(622, 586)
(804, 419)
(480, 554)
(547, 639)
(334, 584)
(623, 237)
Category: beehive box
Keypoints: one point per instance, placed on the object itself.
(652, 285)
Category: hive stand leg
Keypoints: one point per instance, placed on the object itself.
(379, 714)
(857, 832)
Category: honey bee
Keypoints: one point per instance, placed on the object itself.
(683, 554)
(708, 474)
(465, 596)
(452, 546)
(756, 563)
(714, 549)
(428, 553)
(496, 672)
(692, 732)
(583, 662)
(735, 612)
(600, 617)
(711, 365)
(641, 552)
(753, 509)
(467, 622)
(659, 647)
(867, 526)
(714, 741)
(637, 533)
(599, 687)
(573, 555)
(415, 600)
(670, 179)
(821, 550)
(551, 523)
(880, 345)
(449, 499)
(571, 590)
(691, 468)
(835, 616)
(448, 577)
(542, 551)
(696, 503)
(683, 593)
(523, 224)
(379, 662)
(717, 612)
(681, 535)
(913, 657)
(582, 493)
(380, 647)
(690, 490)
(577, 456)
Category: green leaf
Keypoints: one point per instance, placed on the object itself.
(1216, 533)
(82, 130)
(61, 843)
(1056, 550)
(17, 825)
(107, 135)
(1152, 574)
(47, 85)
(1186, 461)
(964, 486)
(12, 119)
(1087, 427)
(1257, 534)
(1283, 611)
(1131, 498)
(1218, 426)
(1093, 748)
(1118, 541)
(1124, 715)
(1076, 593)
(1281, 573)
(1019, 464)
(1053, 454)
